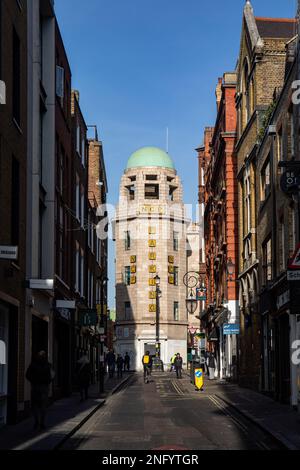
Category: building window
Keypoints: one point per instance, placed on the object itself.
(131, 192)
(151, 191)
(127, 275)
(279, 146)
(266, 180)
(291, 134)
(60, 82)
(281, 241)
(292, 230)
(267, 261)
(82, 273)
(82, 208)
(127, 241)
(77, 268)
(78, 139)
(175, 241)
(128, 313)
(16, 77)
(172, 191)
(83, 151)
(77, 199)
(15, 202)
(247, 203)
(176, 275)
(176, 311)
(151, 177)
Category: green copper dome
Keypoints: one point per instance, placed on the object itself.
(150, 156)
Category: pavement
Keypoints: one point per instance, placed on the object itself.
(278, 420)
(64, 418)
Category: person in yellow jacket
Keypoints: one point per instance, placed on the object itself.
(172, 362)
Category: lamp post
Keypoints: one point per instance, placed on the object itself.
(230, 269)
(158, 292)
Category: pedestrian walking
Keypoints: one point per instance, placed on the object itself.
(147, 364)
(84, 377)
(127, 362)
(120, 365)
(211, 365)
(40, 376)
(178, 366)
(172, 362)
(111, 363)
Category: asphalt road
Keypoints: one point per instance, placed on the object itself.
(168, 413)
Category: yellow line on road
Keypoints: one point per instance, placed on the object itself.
(177, 388)
(224, 409)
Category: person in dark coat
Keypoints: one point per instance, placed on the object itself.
(127, 362)
(178, 366)
(84, 377)
(120, 364)
(211, 362)
(40, 375)
(111, 363)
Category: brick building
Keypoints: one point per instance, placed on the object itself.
(260, 70)
(13, 168)
(62, 325)
(277, 239)
(221, 228)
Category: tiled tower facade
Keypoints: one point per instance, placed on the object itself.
(150, 234)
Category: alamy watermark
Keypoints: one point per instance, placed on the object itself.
(2, 92)
(296, 353)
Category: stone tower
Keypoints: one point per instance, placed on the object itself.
(150, 235)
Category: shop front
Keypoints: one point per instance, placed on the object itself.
(8, 363)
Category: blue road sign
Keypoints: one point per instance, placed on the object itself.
(231, 329)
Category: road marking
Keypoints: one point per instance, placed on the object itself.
(177, 388)
(224, 409)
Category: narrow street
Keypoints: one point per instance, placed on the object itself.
(168, 414)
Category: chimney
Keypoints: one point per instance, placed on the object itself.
(219, 92)
(77, 94)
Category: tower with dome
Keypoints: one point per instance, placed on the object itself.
(150, 235)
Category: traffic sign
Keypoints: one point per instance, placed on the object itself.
(199, 382)
(231, 329)
(295, 261)
(293, 275)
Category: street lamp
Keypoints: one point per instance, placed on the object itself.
(191, 303)
(158, 292)
(230, 269)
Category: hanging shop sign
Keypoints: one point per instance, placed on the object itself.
(64, 313)
(88, 318)
(290, 181)
(201, 293)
